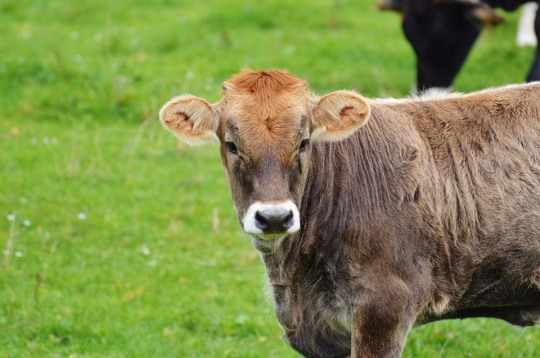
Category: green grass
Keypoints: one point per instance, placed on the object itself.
(119, 242)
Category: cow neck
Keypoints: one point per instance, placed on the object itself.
(283, 262)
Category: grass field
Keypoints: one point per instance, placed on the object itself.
(118, 242)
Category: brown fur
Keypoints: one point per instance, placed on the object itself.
(430, 211)
(265, 103)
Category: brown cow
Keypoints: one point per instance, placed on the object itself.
(430, 211)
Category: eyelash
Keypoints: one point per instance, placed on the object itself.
(303, 145)
(231, 147)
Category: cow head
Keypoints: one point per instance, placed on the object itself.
(265, 125)
(442, 33)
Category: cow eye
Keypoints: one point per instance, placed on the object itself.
(303, 145)
(231, 147)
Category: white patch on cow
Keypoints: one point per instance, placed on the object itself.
(343, 314)
(448, 95)
(440, 306)
(525, 35)
(336, 316)
(431, 92)
(435, 92)
(249, 220)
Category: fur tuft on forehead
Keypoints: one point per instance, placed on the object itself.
(266, 107)
(264, 83)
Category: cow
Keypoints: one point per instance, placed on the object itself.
(442, 33)
(373, 216)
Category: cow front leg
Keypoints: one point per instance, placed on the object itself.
(380, 328)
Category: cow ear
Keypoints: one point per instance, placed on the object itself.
(339, 114)
(191, 119)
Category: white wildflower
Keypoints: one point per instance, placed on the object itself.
(145, 250)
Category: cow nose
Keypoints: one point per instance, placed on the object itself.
(274, 221)
(271, 219)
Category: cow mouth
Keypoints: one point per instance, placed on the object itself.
(266, 245)
(269, 237)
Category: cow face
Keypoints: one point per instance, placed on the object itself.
(265, 124)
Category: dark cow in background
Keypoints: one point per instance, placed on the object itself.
(442, 33)
(376, 216)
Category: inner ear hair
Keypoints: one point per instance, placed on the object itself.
(191, 119)
(338, 114)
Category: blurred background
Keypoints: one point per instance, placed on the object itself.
(118, 241)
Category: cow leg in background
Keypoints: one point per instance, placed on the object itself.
(534, 73)
(441, 36)
(525, 35)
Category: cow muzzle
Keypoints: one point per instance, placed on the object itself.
(271, 220)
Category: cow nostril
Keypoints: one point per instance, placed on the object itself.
(288, 221)
(260, 221)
